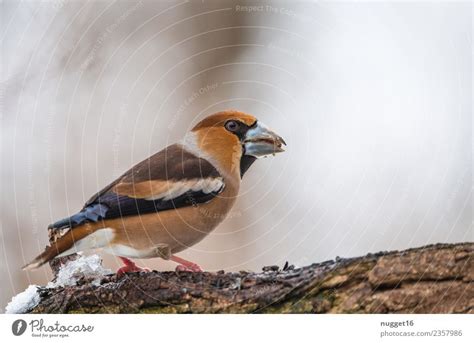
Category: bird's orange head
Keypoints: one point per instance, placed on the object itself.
(235, 139)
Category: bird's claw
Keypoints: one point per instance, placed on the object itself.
(129, 269)
(185, 265)
(130, 266)
(192, 267)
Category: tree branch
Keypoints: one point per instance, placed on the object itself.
(432, 279)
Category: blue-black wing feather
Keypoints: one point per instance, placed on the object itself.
(173, 161)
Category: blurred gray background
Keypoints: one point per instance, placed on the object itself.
(374, 100)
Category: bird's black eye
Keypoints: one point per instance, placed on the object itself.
(232, 125)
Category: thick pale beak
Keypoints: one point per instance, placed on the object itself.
(260, 141)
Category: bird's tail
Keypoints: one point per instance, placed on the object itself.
(61, 245)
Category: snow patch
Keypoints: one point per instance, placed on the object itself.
(87, 267)
(24, 302)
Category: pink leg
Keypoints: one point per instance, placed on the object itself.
(185, 265)
(130, 266)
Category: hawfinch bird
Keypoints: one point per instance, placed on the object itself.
(171, 200)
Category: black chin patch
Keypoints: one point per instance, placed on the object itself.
(245, 162)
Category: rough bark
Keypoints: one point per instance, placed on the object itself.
(431, 279)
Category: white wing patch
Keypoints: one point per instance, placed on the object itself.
(178, 188)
